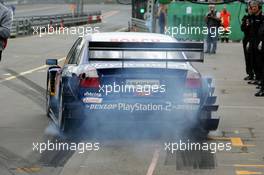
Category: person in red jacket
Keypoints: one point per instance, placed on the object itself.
(225, 21)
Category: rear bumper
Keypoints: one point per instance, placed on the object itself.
(150, 112)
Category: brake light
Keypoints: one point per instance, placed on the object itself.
(193, 80)
(89, 82)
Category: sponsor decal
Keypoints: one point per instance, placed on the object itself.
(134, 107)
(92, 94)
(92, 100)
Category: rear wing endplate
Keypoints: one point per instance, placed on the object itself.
(149, 46)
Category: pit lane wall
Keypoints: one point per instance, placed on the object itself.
(18, 2)
(26, 25)
(192, 15)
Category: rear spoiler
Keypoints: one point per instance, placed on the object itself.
(148, 46)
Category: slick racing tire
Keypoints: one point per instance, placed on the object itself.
(204, 127)
(48, 100)
(63, 113)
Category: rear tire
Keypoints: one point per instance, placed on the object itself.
(48, 100)
(63, 114)
(203, 122)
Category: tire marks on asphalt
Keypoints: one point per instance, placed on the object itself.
(56, 158)
(26, 92)
(36, 94)
(191, 159)
(28, 82)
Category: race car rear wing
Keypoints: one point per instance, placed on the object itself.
(166, 50)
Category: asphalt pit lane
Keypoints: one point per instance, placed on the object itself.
(56, 157)
(26, 92)
(28, 82)
(10, 161)
(243, 132)
(35, 93)
(55, 150)
(188, 157)
(191, 159)
(195, 160)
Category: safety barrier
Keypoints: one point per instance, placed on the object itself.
(187, 14)
(139, 25)
(25, 25)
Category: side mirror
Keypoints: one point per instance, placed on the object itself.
(51, 62)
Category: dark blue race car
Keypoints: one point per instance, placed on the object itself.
(130, 77)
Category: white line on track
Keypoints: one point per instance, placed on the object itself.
(154, 162)
(27, 72)
(110, 13)
(7, 74)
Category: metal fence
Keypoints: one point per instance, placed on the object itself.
(139, 25)
(26, 25)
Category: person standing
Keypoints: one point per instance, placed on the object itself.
(260, 59)
(162, 13)
(5, 26)
(245, 29)
(254, 39)
(213, 22)
(225, 21)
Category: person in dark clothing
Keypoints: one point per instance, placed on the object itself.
(260, 60)
(255, 21)
(245, 29)
(5, 26)
(213, 22)
(162, 17)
